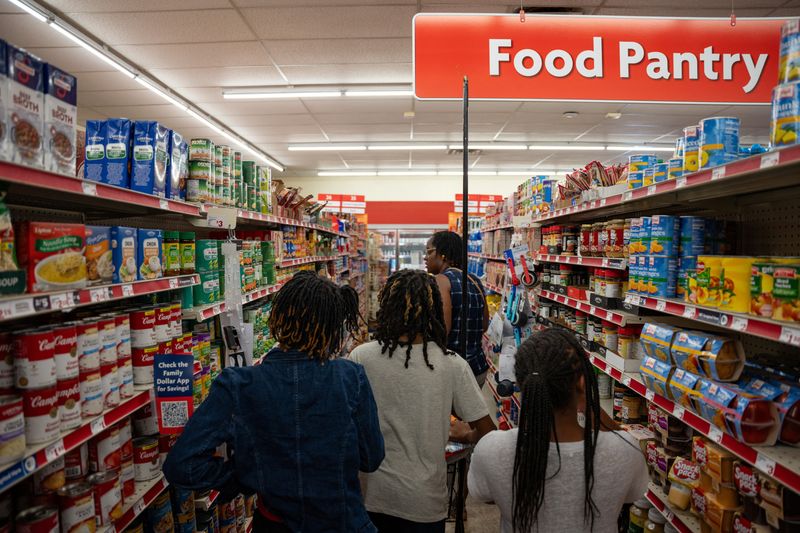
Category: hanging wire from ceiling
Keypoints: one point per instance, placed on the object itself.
(521, 12)
(733, 15)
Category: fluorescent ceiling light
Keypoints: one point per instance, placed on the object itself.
(29, 10)
(205, 121)
(88, 46)
(282, 94)
(410, 146)
(575, 147)
(169, 98)
(327, 148)
(378, 93)
(406, 173)
(347, 173)
(498, 146)
(640, 148)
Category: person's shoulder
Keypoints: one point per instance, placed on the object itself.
(364, 351)
(619, 444)
(233, 377)
(494, 444)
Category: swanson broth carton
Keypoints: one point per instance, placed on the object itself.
(25, 108)
(61, 119)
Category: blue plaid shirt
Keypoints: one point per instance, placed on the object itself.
(476, 302)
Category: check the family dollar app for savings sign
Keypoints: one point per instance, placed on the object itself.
(614, 59)
(174, 378)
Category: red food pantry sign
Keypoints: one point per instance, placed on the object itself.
(343, 203)
(596, 58)
(478, 203)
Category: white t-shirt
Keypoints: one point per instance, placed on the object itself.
(620, 476)
(414, 406)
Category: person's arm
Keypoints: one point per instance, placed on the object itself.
(370, 438)
(485, 314)
(469, 406)
(471, 432)
(607, 423)
(447, 304)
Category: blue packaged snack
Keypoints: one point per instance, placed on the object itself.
(25, 107)
(148, 256)
(682, 385)
(750, 418)
(686, 349)
(150, 157)
(655, 375)
(94, 160)
(719, 141)
(664, 235)
(117, 169)
(61, 120)
(662, 276)
(124, 247)
(656, 340)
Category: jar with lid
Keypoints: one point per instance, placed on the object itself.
(631, 411)
(595, 245)
(613, 283)
(655, 521)
(544, 310)
(585, 247)
(569, 240)
(187, 252)
(638, 515)
(580, 322)
(610, 339)
(603, 385)
(566, 275)
(626, 238)
(171, 250)
(546, 273)
(615, 238)
(628, 341)
(619, 397)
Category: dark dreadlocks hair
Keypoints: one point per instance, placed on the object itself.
(410, 305)
(548, 367)
(311, 314)
(449, 245)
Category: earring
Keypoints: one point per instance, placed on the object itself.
(581, 419)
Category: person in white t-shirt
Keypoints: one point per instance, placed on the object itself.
(417, 383)
(558, 471)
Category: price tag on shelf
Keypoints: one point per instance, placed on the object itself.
(626, 380)
(592, 310)
(627, 196)
(605, 263)
(669, 515)
(715, 434)
(649, 395)
(631, 299)
(139, 507)
(689, 312)
(718, 173)
(661, 305)
(163, 204)
(739, 323)
(790, 335)
(680, 182)
(770, 160)
(98, 425)
(765, 464)
(61, 301)
(592, 204)
(602, 202)
(216, 310)
(89, 188)
(651, 190)
(173, 283)
(55, 450)
(678, 412)
(7, 310)
(127, 290)
(98, 295)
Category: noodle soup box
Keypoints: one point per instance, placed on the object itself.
(25, 108)
(61, 118)
(150, 163)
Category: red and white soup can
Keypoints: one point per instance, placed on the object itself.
(40, 406)
(126, 389)
(104, 452)
(107, 329)
(109, 374)
(6, 362)
(127, 477)
(76, 462)
(66, 352)
(163, 323)
(76, 508)
(145, 421)
(91, 393)
(34, 359)
(107, 496)
(40, 519)
(143, 359)
(146, 459)
(69, 403)
(143, 327)
(88, 345)
(125, 439)
(123, 322)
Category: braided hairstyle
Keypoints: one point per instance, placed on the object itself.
(410, 306)
(311, 314)
(450, 246)
(548, 367)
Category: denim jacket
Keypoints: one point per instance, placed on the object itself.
(300, 432)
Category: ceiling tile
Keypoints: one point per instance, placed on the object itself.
(349, 73)
(105, 81)
(74, 60)
(128, 6)
(25, 31)
(256, 107)
(326, 51)
(326, 22)
(142, 112)
(218, 76)
(110, 98)
(180, 56)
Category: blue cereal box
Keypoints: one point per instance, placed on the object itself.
(655, 375)
(61, 120)
(693, 236)
(750, 418)
(656, 340)
(123, 254)
(149, 253)
(94, 160)
(117, 170)
(719, 141)
(662, 276)
(25, 107)
(664, 235)
(682, 386)
(150, 157)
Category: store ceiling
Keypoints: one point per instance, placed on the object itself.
(200, 47)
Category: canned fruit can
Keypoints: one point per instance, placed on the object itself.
(146, 458)
(12, 429)
(762, 282)
(41, 414)
(76, 462)
(107, 329)
(159, 515)
(34, 359)
(786, 293)
(693, 230)
(691, 149)
(640, 162)
(635, 179)
(640, 236)
(143, 328)
(107, 496)
(76, 508)
(789, 61)
(735, 290)
(40, 519)
(719, 141)
(785, 124)
(69, 403)
(104, 451)
(662, 276)
(91, 393)
(706, 287)
(143, 365)
(66, 352)
(50, 478)
(685, 265)
(88, 345)
(664, 235)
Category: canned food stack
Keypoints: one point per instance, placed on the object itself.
(599, 239)
(156, 329)
(785, 123)
(258, 316)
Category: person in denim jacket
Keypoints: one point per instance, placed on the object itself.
(298, 428)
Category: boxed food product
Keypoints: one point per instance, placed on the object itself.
(665, 234)
(99, 262)
(123, 254)
(715, 357)
(94, 161)
(749, 418)
(717, 515)
(779, 503)
(684, 476)
(5, 147)
(117, 168)
(714, 461)
(61, 119)
(150, 157)
(148, 253)
(656, 340)
(786, 293)
(787, 399)
(52, 254)
(12, 279)
(681, 386)
(655, 375)
(25, 107)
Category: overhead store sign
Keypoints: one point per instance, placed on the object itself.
(478, 203)
(344, 203)
(334, 202)
(631, 59)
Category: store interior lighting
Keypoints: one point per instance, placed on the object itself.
(434, 172)
(344, 147)
(271, 93)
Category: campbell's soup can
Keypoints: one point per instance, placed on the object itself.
(107, 328)
(76, 508)
(12, 429)
(143, 364)
(41, 414)
(107, 496)
(69, 403)
(125, 439)
(145, 421)
(34, 359)
(88, 345)
(146, 458)
(165, 444)
(163, 323)
(109, 374)
(143, 327)
(126, 389)
(91, 393)
(104, 451)
(41, 519)
(184, 344)
(123, 323)
(166, 347)
(76, 462)
(127, 478)
(66, 352)
(176, 329)
(50, 478)
(6, 361)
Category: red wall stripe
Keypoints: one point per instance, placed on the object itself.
(408, 212)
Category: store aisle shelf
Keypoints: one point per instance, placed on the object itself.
(252, 216)
(204, 312)
(493, 288)
(784, 332)
(780, 462)
(204, 504)
(498, 258)
(619, 318)
(286, 263)
(146, 493)
(599, 262)
(29, 304)
(683, 521)
(490, 376)
(37, 456)
(495, 228)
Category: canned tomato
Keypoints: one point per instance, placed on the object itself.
(109, 375)
(126, 389)
(76, 462)
(143, 328)
(76, 508)
(41, 519)
(91, 393)
(104, 451)
(123, 323)
(88, 345)
(691, 149)
(66, 351)
(50, 478)
(34, 359)
(69, 403)
(127, 477)
(12, 429)
(125, 439)
(719, 141)
(6, 361)
(143, 364)
(165, 444)
(107, 496)
(41, 414)
(163, 323)
(145, 421)
(159, 515)
(107, 328)
(146, 459)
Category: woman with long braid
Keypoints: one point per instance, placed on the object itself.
(558, 471)
(301, 425)
(417, 383)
